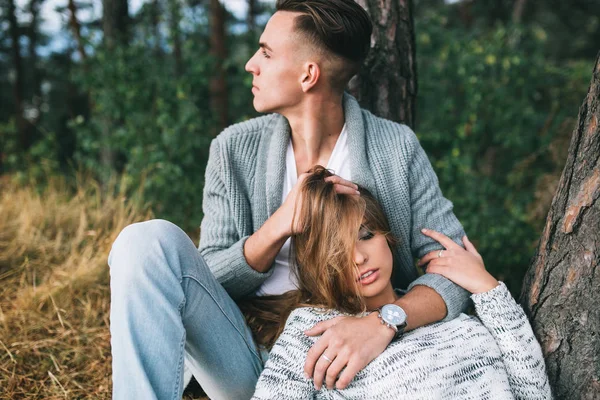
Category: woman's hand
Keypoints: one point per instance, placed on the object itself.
(346, 342)
(463, 267)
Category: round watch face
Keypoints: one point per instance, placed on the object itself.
(393, 314)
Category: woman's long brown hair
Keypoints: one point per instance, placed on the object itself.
(322, 256)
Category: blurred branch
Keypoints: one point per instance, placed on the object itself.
(76, 27)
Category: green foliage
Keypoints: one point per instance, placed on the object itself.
(157, 128)
(496, 107)
(495, 116)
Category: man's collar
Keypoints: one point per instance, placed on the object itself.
(357, 150)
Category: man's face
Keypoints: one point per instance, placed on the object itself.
(277, 66)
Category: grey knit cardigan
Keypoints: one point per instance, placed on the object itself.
(244, 183)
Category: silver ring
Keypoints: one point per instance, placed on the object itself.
(326, 358)
(440, 253)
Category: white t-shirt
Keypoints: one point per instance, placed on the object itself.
(282, 279)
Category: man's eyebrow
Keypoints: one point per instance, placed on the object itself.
(266, 46)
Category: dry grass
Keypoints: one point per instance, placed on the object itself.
(54, 288)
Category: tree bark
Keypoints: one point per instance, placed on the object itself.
(561, 290)
(218, 85)
(22, 128)
(387, 82)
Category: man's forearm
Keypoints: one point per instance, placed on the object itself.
(263, 246)
(423, 306)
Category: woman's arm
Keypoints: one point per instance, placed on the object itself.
(499, 312)
(521, 352)
(283, 376)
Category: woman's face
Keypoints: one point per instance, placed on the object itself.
(373, 258)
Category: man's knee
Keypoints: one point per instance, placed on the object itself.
(137, 242)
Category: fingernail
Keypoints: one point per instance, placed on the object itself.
(424, 230)
(306, 376)
(358, 193)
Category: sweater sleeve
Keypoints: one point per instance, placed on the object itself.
(220, 244)
(283, 375)
(430, 209)
(521, 353)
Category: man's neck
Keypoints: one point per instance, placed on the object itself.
(316, 126)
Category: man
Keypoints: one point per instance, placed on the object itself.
(171, 301)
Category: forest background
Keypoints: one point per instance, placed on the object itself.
(107, 109)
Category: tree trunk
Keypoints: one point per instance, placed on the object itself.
(155, 12)
(76, 27)
(115, 22)
(22, 128)
(561, 290)
(115, 25)
(387, 82)
(34, 10)
(218, 85)
(251, 16)
(518, 8)
(251, 23)
(175, 19)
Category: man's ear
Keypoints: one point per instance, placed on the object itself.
(310, 75)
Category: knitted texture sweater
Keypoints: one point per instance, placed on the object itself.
(494, 357)
(243, 188)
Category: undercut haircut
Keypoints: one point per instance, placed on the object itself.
(340, 28)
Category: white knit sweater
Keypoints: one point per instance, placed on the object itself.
(493, 357)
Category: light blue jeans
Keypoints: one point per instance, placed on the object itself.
(166, 306)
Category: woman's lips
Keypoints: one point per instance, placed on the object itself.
(369, 279)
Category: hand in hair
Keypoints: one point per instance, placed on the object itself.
(289, 211)
(463, 267)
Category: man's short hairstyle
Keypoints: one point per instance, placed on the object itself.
(340, 28)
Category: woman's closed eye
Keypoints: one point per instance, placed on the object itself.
(365, 234)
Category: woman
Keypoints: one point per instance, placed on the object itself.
(343, 265)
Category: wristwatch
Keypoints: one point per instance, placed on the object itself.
(394, 317)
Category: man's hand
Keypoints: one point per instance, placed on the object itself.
(262, 246)
(289, 211)
(349, 342)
